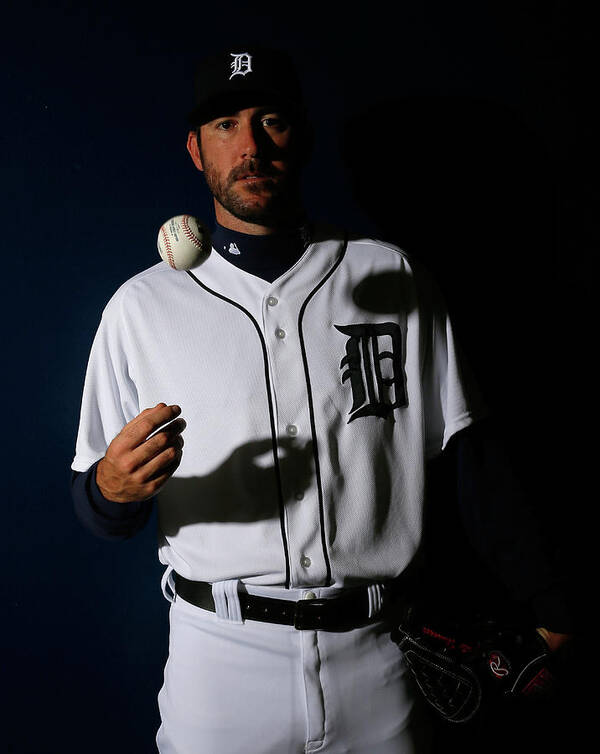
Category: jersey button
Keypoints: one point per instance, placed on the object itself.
(292, 430)
(305, 561)
(299, 495)
(279, 333)
(272, 301)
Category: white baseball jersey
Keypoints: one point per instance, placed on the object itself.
(312, 404)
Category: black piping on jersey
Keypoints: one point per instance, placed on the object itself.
(271, 418)
(312, 411)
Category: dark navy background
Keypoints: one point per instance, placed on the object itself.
(461, 131)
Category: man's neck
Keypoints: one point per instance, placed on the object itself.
(227, 220)
(265, 256)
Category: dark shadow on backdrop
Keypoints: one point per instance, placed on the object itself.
(466, 188)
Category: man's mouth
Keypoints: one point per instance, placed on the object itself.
(254, 177)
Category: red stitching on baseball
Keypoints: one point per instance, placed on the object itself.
(189, 232)
(168, 248)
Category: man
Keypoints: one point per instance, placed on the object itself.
(318, 376)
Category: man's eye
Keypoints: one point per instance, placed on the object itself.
(225, 125)
(275, 122)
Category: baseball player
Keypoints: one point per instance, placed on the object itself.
(314, 376)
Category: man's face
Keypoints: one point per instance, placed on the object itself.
(251, 164)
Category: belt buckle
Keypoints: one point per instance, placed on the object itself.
(308, 616)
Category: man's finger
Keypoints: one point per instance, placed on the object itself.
(161, 465)
(166, 437)
(137, 430)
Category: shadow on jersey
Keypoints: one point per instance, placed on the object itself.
(249, 475)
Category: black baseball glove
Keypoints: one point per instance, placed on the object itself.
(459, 666)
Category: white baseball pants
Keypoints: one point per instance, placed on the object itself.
(261, 688)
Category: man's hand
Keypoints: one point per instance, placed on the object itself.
(136, 466)
(554, 640)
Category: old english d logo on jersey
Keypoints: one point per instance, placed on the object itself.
(373, 368)
(241, 64)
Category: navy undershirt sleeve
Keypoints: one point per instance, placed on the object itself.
(504, 529)
(106, 518)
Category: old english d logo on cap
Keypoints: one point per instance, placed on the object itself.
(222, 82)
(241, 64)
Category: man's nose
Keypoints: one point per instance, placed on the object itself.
(250, 143)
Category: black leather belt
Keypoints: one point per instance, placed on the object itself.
(342, 613)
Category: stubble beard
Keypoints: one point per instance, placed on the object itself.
(281, 207)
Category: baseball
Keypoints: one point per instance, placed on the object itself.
(183, 241)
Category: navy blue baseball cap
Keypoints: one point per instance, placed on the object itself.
(241, 77)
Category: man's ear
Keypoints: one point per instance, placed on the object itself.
(194, 149)
(306, 142)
